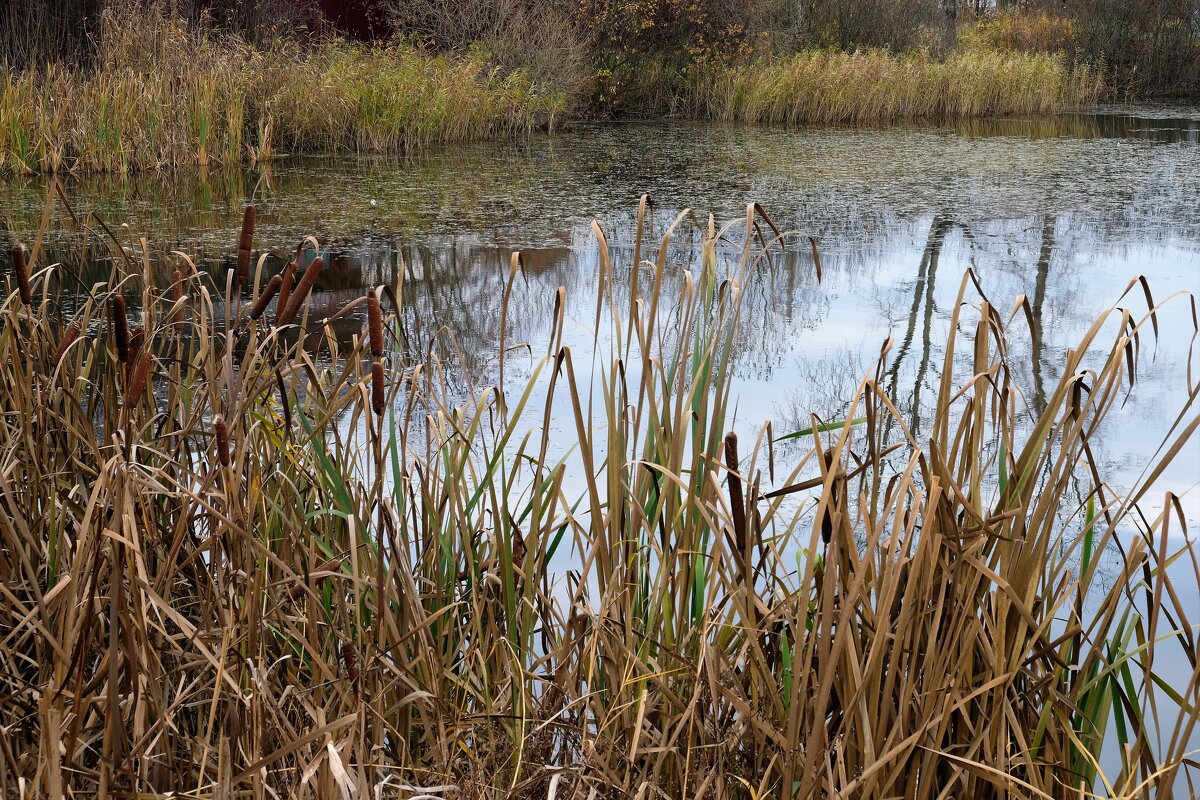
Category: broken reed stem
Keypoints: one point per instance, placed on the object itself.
(303, 287)
(245, 244)
(264, 299)
(375, 323)
(120, 323)
(21, 270)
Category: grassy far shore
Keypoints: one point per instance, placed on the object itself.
(163, 96)
(236, 565)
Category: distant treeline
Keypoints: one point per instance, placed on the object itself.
(638, 55)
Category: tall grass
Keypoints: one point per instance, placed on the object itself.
(825, 87)
(263, 565)
(163, 95)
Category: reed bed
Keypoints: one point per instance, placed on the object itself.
(241, 562)
(831, 87)
(164, 96)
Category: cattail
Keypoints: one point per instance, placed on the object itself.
(375, 323)
(285, 288)
(68, 338)
(21, 268)
(120, 323)
(737, 502)
(245, 244)
(137, 381)
(135, 343)
(831, 505)
(303, 287)
(377, 388)
(222, 440)
(260, 304)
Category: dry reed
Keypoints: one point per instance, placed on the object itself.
(887, 617)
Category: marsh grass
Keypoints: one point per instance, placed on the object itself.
(827, 87)
(163, 95)
(272, 570)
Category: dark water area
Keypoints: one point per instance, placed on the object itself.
(1063, 210)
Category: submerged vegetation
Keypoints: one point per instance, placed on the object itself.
(243, 560)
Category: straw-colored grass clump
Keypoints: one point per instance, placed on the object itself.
(240, 567)
(163, 96)
(827, 87)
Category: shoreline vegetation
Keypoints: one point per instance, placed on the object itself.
(245, 562)
(161, 94)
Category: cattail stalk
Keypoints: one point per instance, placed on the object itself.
(375, 323)
(120, 323)
(21, 269)
(303, 287)
(378, 401)
(264, 299)
(245, 244)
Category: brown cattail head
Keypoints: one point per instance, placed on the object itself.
(245, 245)
(135, 343)
(137, 379)
(285, 288)
(68, 338)
(832, 502)
(375, 323)
(303, 287)
(261, 302)
(120, 323)
(222, 432)
(737, 502)
(378, 402)
(21, 270)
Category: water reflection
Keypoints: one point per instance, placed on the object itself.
(1062, 214)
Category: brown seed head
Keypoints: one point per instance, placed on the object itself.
(135, 343)
(120, 323)
(378, 400)
(21, 269)
(68, 338)
(375, 323)
(137, 381)
(222, 432)
(264, 299)
(285, 288)
(303, 287)
(245, 245)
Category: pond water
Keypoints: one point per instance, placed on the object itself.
(1064, 210)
